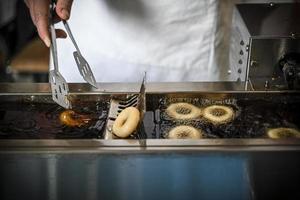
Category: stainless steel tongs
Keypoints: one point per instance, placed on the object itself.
(83, 66)
(59, 85)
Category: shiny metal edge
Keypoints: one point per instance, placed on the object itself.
(104, 88)
(100, 143)
(148, 150)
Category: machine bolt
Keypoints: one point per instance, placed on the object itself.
(247, 48)
(293, 35)
(267, 85)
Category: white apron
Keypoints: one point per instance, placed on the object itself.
(173, 41)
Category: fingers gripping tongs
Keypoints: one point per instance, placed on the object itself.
(59, 85)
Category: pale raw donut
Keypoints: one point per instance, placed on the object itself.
(127, 122)
(183, 111)
(184, 132)
(278, 133)
(218, 114)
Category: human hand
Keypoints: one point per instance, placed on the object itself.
(39, 11)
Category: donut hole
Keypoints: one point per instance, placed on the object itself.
(184, 134)
(183, 110)
(126, 122)
(218, 112)
(123, 122)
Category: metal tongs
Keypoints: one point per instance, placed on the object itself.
(83, 66)
(59, 86)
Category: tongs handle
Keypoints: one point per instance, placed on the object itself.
(53, 45)
(66, 24)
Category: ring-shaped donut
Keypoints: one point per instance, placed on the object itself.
(218, 114)
(278, 133)
(184, 132)
(183, 111)
(127, 122)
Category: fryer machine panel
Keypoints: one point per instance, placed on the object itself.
(237, 161)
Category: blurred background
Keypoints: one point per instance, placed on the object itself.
(18, 41)
(24, 58)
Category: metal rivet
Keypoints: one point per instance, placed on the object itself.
(239, 70)
(241, 52)
(229, 72)
(242, 42)
(247, 48)
(272, 4)
(240, 62)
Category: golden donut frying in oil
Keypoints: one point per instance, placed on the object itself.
(72, 119)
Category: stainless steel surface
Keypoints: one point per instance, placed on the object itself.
(271, 18)
(59, 86)
(239, 46)
(124, 88)
(148, 168)
(149, 145)
(123, 176)
(249, 45)
(165, 175)
(83, 66)
(264, 70)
